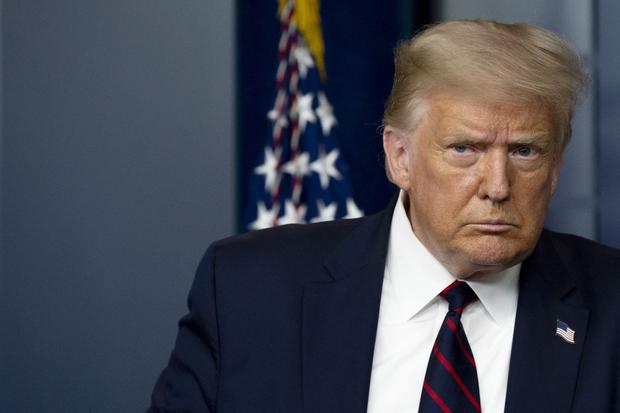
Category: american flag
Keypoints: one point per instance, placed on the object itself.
(563, 330)
(300, 176)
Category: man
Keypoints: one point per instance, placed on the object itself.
(454, 299)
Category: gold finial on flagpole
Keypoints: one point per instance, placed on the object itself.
(307, 18)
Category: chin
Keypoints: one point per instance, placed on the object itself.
(494, 254)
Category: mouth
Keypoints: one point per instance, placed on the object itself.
(493, 226)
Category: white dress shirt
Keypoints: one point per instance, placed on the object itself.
(411, 314)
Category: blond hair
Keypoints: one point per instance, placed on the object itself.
(505, 63)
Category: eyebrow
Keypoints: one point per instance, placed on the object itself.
(528, 138)
(531, 138)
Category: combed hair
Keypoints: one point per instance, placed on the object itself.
(515, 64)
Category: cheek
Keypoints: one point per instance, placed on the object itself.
(534, 189)
(441, 199)
(531, 199)
(455, 188)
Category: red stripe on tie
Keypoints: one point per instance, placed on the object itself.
(456, 377)
(448, 288)
(436, 398)
(454, 328)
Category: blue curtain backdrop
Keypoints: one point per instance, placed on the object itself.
(359, 40)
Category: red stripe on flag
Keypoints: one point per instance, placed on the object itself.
(456, 377)
(436, 398)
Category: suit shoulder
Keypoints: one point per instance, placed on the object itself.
(582, 247)
(319, 235)
(290, 249)
(596, 264)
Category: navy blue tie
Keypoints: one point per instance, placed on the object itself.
(451, 381)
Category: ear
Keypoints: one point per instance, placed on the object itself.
(396, 148)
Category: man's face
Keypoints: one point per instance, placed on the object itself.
(479, 178)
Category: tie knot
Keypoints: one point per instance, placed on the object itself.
(459, 295)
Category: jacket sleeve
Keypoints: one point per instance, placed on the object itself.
(189, 382)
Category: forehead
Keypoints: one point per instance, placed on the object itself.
(477, 118)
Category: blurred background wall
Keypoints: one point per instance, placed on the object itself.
(118, 169)
(119, 164)
(607, 106)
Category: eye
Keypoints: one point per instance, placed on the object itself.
(462, 153)
(460, 148)
(525, 151)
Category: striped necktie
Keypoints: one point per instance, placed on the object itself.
(451, 382)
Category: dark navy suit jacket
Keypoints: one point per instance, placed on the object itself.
(284, 320)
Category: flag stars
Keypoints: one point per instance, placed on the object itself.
(304, 110)
(269, 168)
(278, 117)
(276, 114)
(265, 218)
(304, 60)
(325, 166)
(298, 166)
(326, 212)
(352, 210)
(292, 215)
(326, 114)
(297, 149)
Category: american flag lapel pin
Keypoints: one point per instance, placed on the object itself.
(565, 332)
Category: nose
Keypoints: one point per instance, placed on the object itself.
(495, 180)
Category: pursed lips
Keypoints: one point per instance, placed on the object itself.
(492, 225)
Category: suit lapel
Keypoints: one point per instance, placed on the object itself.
(340, 321)
(543, 366)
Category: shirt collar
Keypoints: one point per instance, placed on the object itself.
(499, 293)
(418, 277)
